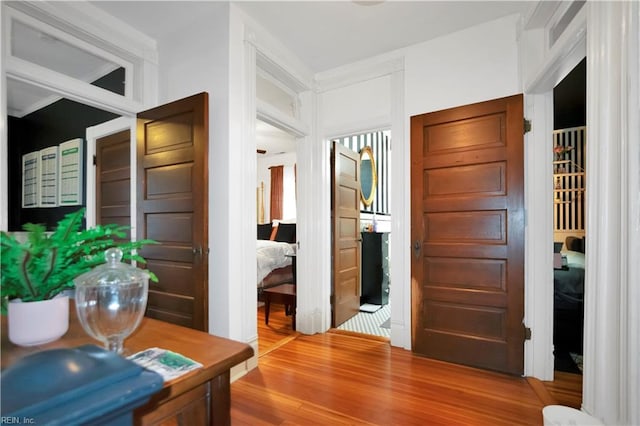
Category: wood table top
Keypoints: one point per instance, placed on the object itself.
(216, 354)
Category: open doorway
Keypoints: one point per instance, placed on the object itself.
(276, 211)
(569, 182)
(373, 316)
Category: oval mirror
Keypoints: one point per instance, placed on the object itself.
(368, 176)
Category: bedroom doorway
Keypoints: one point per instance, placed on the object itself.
(372, 312)
(569, 218)
(276, 213)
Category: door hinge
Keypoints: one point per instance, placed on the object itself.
(527, 126)
(527, 333)
(95, 160)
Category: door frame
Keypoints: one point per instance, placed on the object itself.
(397, 123)
(568, 51)
(258, 53)
(611, 320)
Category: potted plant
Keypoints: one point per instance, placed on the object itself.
(37, 272)
(559, 151)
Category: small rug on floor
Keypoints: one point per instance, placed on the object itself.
(369, 323)
(368, 307)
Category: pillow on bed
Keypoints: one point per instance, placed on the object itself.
(264, 231)
(286, 233)
(575, 259)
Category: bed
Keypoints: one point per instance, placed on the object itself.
(274, 262)
(274, 248)
(568, 303)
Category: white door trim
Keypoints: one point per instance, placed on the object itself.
(611, 382)
(259, 54)
(566, 53)
(539, 237)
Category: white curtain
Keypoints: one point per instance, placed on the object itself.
(289, 194)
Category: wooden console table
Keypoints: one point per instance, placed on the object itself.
(201, 397)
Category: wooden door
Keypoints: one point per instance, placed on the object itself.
(345, 213)
(113, 179)
(467, 229)
(172, 208)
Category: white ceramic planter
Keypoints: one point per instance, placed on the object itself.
(36, 323)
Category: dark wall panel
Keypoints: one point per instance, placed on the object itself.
(58, 122)
(570, 99)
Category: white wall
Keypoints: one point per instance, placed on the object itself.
(473, 65)
(360, 106)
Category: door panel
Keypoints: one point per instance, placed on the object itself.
(172, 201)
(468, 233)
(345, 203)
(113, 179)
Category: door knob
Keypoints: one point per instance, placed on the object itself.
(417, 248)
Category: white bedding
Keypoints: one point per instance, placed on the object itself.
(272, 255)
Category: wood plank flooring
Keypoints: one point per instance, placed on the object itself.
(277, 333)
(332, 379)
(388, 386)
(566, 389)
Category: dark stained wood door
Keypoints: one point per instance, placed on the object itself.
(113, 179)
(345, 209)
(467, 229)
(172, 146)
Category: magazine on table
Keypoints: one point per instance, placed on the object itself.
(169, 365)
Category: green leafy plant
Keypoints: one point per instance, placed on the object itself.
(46, 264)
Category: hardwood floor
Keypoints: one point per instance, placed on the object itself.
(566, 389)
(414, 378)
(338, 379)
(277, 333)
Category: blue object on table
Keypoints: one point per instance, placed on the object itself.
(84, 385)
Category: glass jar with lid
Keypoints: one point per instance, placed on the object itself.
(111, 300)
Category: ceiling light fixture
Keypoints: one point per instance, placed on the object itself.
(368, 2)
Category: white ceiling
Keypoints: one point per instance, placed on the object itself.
(322, 34)
(273, 140)
(327, 34)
